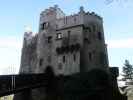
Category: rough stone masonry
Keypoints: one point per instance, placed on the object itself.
(65, 44)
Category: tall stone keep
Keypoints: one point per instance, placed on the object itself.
(66, 44)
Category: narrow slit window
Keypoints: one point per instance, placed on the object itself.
(90, 56)
(64, 58)
(41, 62)
(99, 36)
(69, 33)
(43, 26)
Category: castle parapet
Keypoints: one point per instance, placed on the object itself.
(29, 38)
(81, 18)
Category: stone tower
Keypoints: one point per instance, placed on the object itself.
(67, 44)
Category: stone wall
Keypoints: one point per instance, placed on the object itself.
(66, 44)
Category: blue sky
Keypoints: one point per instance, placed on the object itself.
(16, 14)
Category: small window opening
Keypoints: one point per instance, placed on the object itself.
(90, 56)
(99, 36)
(69, 33)
(49, 39)
(41, 62)
(64, 59)
(44, 25)
(59, 35)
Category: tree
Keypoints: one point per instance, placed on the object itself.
(127, 70)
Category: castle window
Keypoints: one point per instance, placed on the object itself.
(99, 36)
(49, 39)
(90, 56)
(59, 35)
(74, 57)
(44, 25)
(69, 33)
(64, 58)
(41, 62)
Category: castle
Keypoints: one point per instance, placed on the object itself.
(73, 48)
(66, 44)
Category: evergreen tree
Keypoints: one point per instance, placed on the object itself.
(128, 70)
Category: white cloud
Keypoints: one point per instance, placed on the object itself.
(120, 43)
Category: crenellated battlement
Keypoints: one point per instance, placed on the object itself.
(83, 12)
(51, 9)
(94, 14)
(81, 18)
(62, 21)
